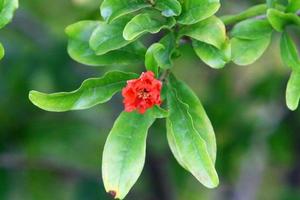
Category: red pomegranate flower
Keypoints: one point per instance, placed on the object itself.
(142, 93)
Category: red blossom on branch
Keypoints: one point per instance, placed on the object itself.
(142, 93)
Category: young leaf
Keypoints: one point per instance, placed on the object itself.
(108, 37)
(279, 20)
(160, 54)
(252, 29)
(245, 52)
(78, 48)
(212, 56)
(168, 8)
(293, 91)
(164, 57)
(124, 151)
(211, 31)
(289, 52)
(151, 58)
(194, 11)
(149, 22)
(7, 11)
(200, 119)
(92, 92)
(188, 147)
(112, 9)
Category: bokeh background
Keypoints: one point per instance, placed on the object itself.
(47, 156)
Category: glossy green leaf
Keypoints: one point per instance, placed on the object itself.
(112, 9)
(78, 48)
(92, 92)
(279, 20)
(293, 91)
(168, 8)
(194, 11)
(294, 5)
(149, 22)
(252, 29)
(186, 143)
(108, 37)
(7, 11)
(200, 119)
(289, 52)
(211, 31)
(2, 51)
(151, 58)
(212, 56)
(245, 52)
(124, 151)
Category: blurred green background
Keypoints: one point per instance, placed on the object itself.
(57, 156)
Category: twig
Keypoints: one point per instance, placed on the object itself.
(164, 75)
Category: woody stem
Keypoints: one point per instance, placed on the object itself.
(164, 75)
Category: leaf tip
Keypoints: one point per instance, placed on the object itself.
(112, 193)
(31, 95)
(292, 107)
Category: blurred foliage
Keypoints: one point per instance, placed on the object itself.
(58, 156)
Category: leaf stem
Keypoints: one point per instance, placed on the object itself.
(249, 13)
(258, 12)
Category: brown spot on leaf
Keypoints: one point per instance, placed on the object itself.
(112, 193)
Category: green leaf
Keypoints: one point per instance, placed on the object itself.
(211, 31)
(149, 22)
(293, 91)
(200, 119)
(92, 92)
(252, 29)
(186, 143)
(112, 9)
(108, 37)
(279, 20)
(212, 56)
(250, 40)
(194, 11)
(168, 8)
(124, 152)
(2, 51)
(246, 52)
(151, 58)
(294, 6)
(78, 48)
(164, 57)
(289, 52)
(160, 54)
(7, 11)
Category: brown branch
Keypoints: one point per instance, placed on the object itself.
(164, 75)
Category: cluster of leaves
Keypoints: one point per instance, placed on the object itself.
(7, 9)
(117, 41)
(280, 20)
